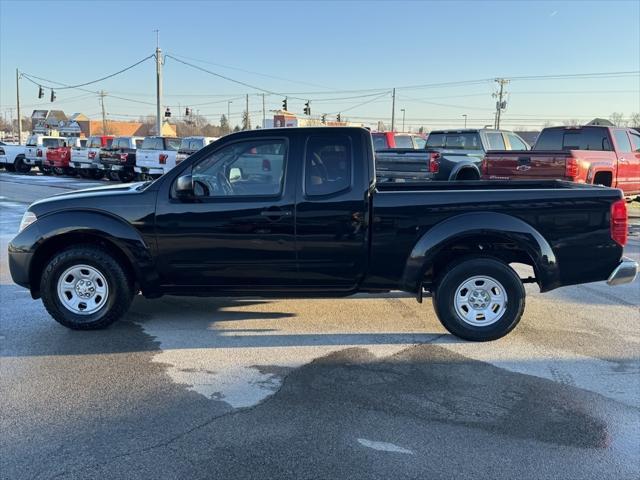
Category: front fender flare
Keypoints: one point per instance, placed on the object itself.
(479, 224)
(110, 228)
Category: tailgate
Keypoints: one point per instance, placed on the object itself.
(403, 163)
(525, 165)
(79, 154)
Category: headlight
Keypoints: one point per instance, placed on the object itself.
(27, 219)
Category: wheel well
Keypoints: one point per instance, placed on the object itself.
(603, 178)
(467, 173)
(502, 249)
(61, 242)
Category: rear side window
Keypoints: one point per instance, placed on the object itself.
(624, 145)
(94, 142)
(139, 143)
(403, 141)
(420, 142)
(52, 142)
(516, 142)
(496, 141)
(328, 165)
(109, 142)
(32, 141)
(635, 141)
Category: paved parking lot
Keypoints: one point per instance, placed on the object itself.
(362, 387)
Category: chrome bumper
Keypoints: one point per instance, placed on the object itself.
(625, 272)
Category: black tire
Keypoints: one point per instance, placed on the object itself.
(83, 172)
(10, 167)
(456, 275)
(45, 169)
(58, 171)
(119, 284)
(126, 176)
(19, 165)
(97, 174)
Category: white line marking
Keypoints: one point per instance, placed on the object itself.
(384, 446)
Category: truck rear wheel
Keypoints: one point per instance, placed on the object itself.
(85, 288)
(19, 165)
(479, 299)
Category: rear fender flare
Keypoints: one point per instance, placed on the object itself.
(463, 165)
(479, 224)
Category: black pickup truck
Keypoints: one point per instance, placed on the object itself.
(297, 212)
(447, 155)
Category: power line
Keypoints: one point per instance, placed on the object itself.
(27, 76)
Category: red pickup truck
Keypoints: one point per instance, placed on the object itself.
(607, 156)
(58, 158)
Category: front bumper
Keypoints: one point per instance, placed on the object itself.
(19, 265)
(625, 272)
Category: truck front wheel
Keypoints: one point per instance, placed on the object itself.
(85, 288)
(479, 299)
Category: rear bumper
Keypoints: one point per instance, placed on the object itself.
(35, 162)
(625, 272)
(149, 170)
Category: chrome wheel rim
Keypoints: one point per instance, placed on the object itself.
(480, 301)
(83, 289)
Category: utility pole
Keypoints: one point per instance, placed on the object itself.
(247, 110)
(264, 112)
(393, 110)
(104, 114)
(403, 112)
(158, 84)
(229, 102)
(11, 119)
(18, 107)
(465, 119)
(500, 104)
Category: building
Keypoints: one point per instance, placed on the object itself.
(43, 121)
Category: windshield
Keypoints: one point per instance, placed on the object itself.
(455, 141)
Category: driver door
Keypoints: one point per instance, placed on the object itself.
(238, 233)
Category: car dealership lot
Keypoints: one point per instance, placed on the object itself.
(356, 388)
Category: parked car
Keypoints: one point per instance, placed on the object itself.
(87, 159)
(119, 159)
(36, 150)
(448, 155)
(316, 224)
(386, 140)
(59, 158)
(190, 145)
(12, 158)
(607, 156)
(156, 156)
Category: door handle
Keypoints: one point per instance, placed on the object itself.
(622, 160)
(276, 213)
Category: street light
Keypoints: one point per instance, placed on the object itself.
(465, 119)
(403, 112)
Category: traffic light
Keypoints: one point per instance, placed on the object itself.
(167, 113)
(339, 118)
(284, 104)
(187, 112)
(53, 96)
(40, 92)
(307, 108)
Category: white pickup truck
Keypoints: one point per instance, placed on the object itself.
(86, 160)
(156, 156)
(191, 145)
(36, 150)
(12, 158)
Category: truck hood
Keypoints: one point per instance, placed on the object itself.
(96, 198)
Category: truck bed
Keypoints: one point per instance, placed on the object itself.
(484, 185)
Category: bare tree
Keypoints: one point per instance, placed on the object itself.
(246, 121)
(617, 119)
(571, 122)
(634, 120)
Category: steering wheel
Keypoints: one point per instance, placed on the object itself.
(224, 183)
(322, 169)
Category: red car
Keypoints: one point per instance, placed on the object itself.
(59, 158)
(386, 140)
(608, 156)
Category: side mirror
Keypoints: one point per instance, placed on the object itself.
(184, 187)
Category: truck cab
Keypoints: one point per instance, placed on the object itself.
(190, 145)
(86, 160)
(156, 156)
(36, 150)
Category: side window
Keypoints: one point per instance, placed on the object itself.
(496, 142)
(250, 168)
(328, 165)
(624, 145)
(138, 143)
(516, 143)
(635, 141)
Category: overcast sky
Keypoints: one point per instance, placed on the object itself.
(343, 56)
